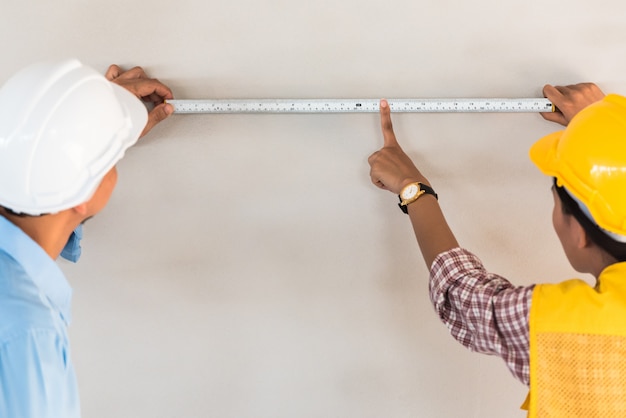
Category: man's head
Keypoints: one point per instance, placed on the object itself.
(63, 127)
(588, 162)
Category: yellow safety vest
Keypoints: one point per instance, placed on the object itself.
(578, 348)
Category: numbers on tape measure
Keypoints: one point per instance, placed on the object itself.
(360, 105)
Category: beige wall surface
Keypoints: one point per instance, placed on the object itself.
(245, 266)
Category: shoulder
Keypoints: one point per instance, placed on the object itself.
(564, 287)
(23, 307)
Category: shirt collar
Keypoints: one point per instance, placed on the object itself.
(43, 271)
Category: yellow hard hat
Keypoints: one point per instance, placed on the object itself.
(588, 158)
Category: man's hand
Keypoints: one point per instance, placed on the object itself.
(391, 169)
(147, 89)
(569, 100)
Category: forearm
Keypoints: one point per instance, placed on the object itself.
(431, 229)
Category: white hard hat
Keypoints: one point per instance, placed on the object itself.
(63, 126)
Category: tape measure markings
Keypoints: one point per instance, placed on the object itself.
(448, 105)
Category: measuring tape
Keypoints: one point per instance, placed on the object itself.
(464, 105)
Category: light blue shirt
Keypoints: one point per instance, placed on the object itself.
(37, 377)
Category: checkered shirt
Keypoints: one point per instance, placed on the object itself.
(482, 310)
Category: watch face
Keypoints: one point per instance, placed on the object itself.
(409, 191)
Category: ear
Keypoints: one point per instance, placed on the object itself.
(579, 235)
(81, 209)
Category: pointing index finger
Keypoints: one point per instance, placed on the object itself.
(386, 125)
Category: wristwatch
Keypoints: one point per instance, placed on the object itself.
(411, 192)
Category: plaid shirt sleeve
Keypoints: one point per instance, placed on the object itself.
(482, 310)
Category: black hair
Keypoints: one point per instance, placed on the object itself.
(20, 214)
(614, 248)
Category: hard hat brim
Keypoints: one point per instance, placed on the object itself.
(543, 153)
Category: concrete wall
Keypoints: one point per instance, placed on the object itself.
(245, 266)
